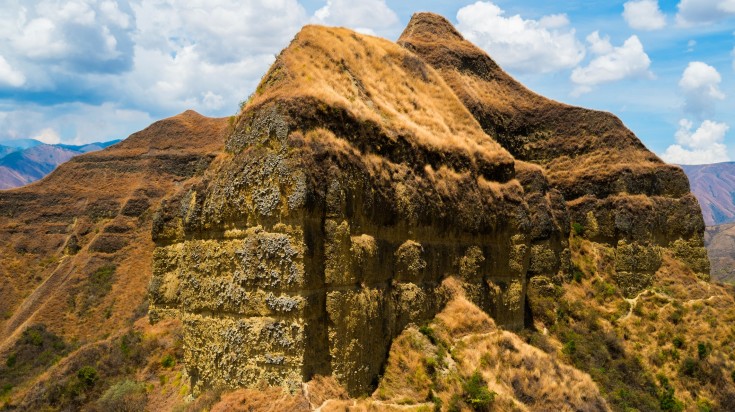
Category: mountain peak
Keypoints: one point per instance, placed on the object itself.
(430, 27)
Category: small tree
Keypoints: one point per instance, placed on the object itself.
(476, 393)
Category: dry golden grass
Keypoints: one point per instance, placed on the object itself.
(657, 334)
(380, 82)
(435, 363)
(572, 143)
(264, 400)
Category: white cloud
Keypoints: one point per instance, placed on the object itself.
(80, 123)
(704, 145)
(554, 21)
(73, 36)
(48, 136)
(644, 15)
(222, 31)
(538, 46)
(10, 76)
(698, 12)
(599, 45)
(185, 79)
(38, 39)
(700, 83)
(612, 63)
(368, 16)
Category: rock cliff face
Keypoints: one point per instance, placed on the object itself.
(362, 174)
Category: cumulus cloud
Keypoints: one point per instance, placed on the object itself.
(9, 76)
(612, 63)
(644, 15)
(698, 12)
(524, 45)
(48, 136)
(76, 35)
(700, 84)
(74, 123)
(368, 16)
(702, 146)
(222, 31)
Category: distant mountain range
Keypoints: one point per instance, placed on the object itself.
(23, 161)
(714, 187)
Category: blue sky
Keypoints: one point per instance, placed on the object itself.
(77, 71)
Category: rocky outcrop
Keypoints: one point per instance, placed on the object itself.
(355, 183)
(362, 174)
(617, 191)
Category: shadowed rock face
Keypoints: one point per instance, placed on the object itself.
(362, 175)
(619, 191)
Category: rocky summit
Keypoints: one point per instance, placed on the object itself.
(363, 175)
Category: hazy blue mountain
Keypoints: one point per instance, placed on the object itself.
(20, 143)
(6, 150)
(23, 161)
(714, 187)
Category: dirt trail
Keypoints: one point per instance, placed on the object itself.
(34, 302)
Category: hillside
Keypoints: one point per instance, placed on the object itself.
(383, 226)
(22, 165)
(714, 186)
(76, 250)
(720, 241)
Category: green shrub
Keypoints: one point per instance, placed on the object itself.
(570, 347)
(678, 341)
(578, 228)
(703, 350)
(732, 375)
(34, 352)
(168, 360)
(98, 285)
(12, 359)
(577, 274)
(125, 396)
(5, 389)
(87, 375)
(476, 393)
(704, 405)
(676, 316)
(666, 398)
(429, 333)
(689, 367)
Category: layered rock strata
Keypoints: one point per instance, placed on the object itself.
(355, 183)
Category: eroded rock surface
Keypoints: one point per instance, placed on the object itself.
(342, 206)
(362, 174)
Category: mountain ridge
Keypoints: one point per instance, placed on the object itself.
(353, 237)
